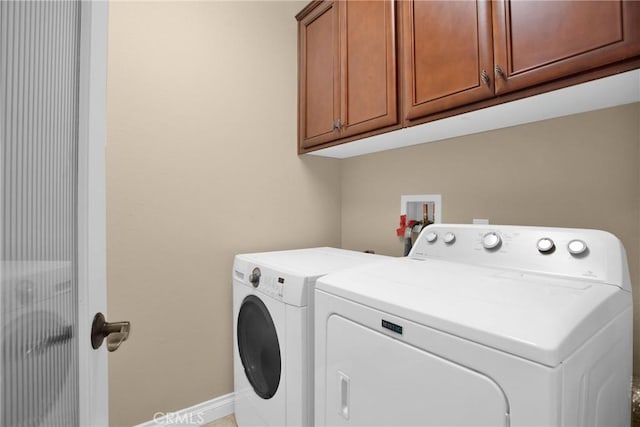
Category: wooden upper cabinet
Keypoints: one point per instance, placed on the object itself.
(539, 41)
(319, 87)
(457, 56)
(347, 70)
(447, 55)
(368, 57)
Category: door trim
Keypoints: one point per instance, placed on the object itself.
(92, 296)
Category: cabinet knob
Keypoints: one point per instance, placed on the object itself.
(484, 76)
(500, 73)
(337, 125)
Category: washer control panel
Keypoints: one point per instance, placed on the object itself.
(431, 237)
(577, 247)
(273, 286)
(588, 254)
(491, 240)
(264, 280)
(267, 282)
(545, 245)
(254, 277)
(449, 238)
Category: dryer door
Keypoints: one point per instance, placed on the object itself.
(375, 380)
(259, 347)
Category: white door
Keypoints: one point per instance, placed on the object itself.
(52, 217)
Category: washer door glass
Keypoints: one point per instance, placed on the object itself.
(259, 347)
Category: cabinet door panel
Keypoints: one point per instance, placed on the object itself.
(538, 41)
(369, 66)
(447, 46)
(319, 96)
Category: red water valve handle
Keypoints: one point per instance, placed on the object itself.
(403, 225)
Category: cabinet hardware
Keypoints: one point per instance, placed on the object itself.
(500, 73)
(484, 76)
(339, 124)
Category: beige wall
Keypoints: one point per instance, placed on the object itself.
(201, 164)
(577, 171)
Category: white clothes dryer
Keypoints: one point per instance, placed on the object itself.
(273, 332)
(480, 325)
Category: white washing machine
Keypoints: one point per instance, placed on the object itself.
(39, 344)
(273, 332)
(480, 325)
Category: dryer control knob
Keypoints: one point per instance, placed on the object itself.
(577, 247)
(546, 245)
(431, 237)
(254, 277)
(491, 240)
(449, 238)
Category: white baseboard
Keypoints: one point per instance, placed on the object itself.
(196, 415)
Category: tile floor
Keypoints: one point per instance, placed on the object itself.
(228, 421)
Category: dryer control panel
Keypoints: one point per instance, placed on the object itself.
(592, 255)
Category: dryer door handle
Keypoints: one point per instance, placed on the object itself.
(344, 386)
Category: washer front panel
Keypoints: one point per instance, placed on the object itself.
(250, 408)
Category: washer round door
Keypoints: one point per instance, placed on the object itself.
(259, 347)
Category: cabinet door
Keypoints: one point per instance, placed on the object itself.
(538, 41)
(319, 98)
(447, 54)
(368, 71)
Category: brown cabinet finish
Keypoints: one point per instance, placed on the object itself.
(368, 76)
(456, 57)
(539, 41)
(347, 70)
(319, 102)
(447, 55)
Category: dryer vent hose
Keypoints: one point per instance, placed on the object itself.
(635, 402)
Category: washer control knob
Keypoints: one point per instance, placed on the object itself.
(577, 247)
(491, 240)
(449, 238)
(546, 245)
(254, 277)
(431, 237)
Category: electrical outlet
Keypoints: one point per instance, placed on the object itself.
(424, 207)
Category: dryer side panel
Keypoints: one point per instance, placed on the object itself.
(373, 379)
(597, 377)
(299, 362)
